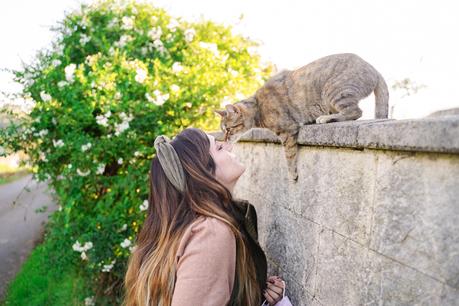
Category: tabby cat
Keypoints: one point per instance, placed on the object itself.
(326, 90)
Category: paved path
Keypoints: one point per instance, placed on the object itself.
(21, 228)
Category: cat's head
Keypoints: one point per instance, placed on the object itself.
(236, 119)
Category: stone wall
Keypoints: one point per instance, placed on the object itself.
(373, 218)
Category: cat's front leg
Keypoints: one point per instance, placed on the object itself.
(289, 141)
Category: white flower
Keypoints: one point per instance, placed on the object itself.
(100, 169)
(158, 44)
(86, 147)
(141, 75)
(61, 84)
(89, 301)
(81, 173)
(155, 33)
(160, 98)
(108, 267)
(69, 166)
(77, 246)
(117, 95)
(124, 39)
(212, 47)
(125, 117)
(189, 35)
(137, 153)
(149, 98)
(44, 96)
(120, 161)
(177, 67)
(175, 87)
(84, 39)
(125, 243)
(59, 143)
(144, 205)
(43, 133)
(123, 228)
(121, 127)
(87, 246)
(102, 120)
(83, 256)
(188, 104)
(173, 24)
(69, 71)
(234, 73)
(54, 121)
(128, 23)
(56, 62)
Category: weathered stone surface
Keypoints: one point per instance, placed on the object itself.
(292, 244)
(335, 190)
(416, 218)
(439, 134)
(360, 226)
(431, 134)
(391, 283)
(334, 134)
(341, 270)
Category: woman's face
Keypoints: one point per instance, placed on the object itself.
(228, 168)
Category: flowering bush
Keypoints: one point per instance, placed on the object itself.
(118, 75)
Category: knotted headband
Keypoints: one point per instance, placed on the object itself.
(170, 162)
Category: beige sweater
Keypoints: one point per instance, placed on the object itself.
(206, 263)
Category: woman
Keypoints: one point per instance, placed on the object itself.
(198, 246)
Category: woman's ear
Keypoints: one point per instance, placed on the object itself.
(221, 112)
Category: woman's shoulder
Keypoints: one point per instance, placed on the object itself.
(205, 230)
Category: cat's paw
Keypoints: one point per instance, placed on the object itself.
(325, 119)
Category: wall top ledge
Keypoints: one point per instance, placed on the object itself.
(430, 134)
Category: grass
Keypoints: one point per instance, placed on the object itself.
(40, 283)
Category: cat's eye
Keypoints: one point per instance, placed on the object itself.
(234, 126)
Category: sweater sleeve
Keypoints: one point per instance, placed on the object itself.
(206, 267)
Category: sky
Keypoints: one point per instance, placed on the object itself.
(401, 39)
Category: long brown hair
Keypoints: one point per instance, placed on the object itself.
(150, 276)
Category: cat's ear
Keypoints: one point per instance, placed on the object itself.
(231, 109)
(221, 112)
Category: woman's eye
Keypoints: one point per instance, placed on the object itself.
(219, 147)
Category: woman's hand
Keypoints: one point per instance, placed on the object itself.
(273, 292)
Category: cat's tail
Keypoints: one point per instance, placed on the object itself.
(381, 98)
